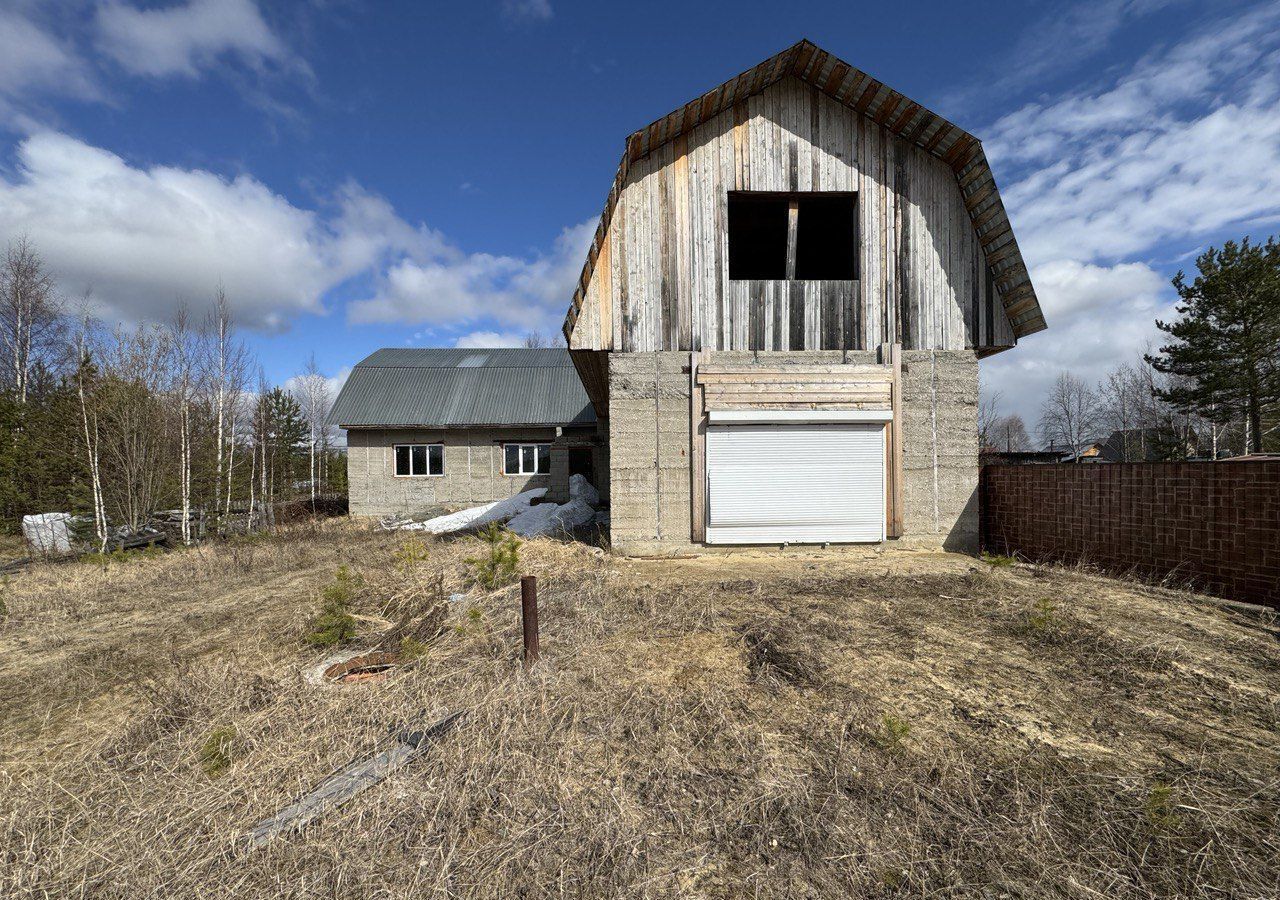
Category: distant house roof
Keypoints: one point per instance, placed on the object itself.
(451, 387)
(989, 456)
(1146, 445)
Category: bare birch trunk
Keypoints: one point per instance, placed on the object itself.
(91, 450)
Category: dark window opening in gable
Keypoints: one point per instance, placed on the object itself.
(825, 248)
(805, 236)
(757, 236)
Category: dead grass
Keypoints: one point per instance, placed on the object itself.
(808, 725)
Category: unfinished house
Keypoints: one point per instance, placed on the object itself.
(781, 314)
(432, 429)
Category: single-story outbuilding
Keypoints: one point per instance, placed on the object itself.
(429, 428)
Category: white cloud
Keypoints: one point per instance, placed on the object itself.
(140, 238)
(183, 39)
(34, 63)
(1185, 143)
(489, 339)
(1150, 163)
(1066, 36)
(1099, 317)
(32, 58)
(526, 10)
(458, 289)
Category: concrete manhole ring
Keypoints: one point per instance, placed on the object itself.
(356, 667)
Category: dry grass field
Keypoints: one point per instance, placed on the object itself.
(824, 724)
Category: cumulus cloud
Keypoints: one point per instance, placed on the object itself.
(457, 289)
(141, 238)
(184, 39)
(489, 339)
(1150, 163)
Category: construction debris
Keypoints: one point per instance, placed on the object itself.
(522, 513)
(352, 780)
(48, 533)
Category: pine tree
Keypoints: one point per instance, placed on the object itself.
(283, 430)
(1226, 342)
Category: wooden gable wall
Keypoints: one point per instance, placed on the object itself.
(661, 281)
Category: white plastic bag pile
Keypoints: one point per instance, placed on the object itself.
(48, 533)
(520, 513)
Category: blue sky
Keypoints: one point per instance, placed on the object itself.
(368, 174)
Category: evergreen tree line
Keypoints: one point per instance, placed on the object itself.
(122, 425)
(1211, 390)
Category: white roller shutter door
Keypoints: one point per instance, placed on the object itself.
(798, 483)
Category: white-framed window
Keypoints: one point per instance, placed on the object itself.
(415, 460)
(526, 459)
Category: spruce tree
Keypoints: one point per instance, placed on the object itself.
(1225, 344)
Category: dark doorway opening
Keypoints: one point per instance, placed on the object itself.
(580, 463)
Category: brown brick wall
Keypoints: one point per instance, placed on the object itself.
(1216, 525)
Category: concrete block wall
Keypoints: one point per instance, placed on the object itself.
(472, 469)
(650, 447)
(940, 449)
(576, 439)
(649, 464)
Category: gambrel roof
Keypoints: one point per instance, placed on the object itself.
(451, 387)
(961, 151)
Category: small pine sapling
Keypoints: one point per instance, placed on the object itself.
(498, 562)
(333, 624)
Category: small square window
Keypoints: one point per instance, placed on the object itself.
(526, 459)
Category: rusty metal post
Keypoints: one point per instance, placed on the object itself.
(529, 614)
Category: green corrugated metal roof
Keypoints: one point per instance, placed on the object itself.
(451, 387)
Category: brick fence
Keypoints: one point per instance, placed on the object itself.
(1215, 525)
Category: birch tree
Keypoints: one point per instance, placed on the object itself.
(136, 443)
(312, 393)
(1069, 416)
(30, 314)
(89, 421)
(226, 366)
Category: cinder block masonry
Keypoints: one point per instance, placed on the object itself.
(650, 447)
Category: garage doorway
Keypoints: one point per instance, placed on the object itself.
(811, 482)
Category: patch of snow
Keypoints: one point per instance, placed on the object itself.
(478, 516)
(48, 532)
(552, 518)
(581, 489)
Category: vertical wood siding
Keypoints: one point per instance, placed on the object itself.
(662, 280)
